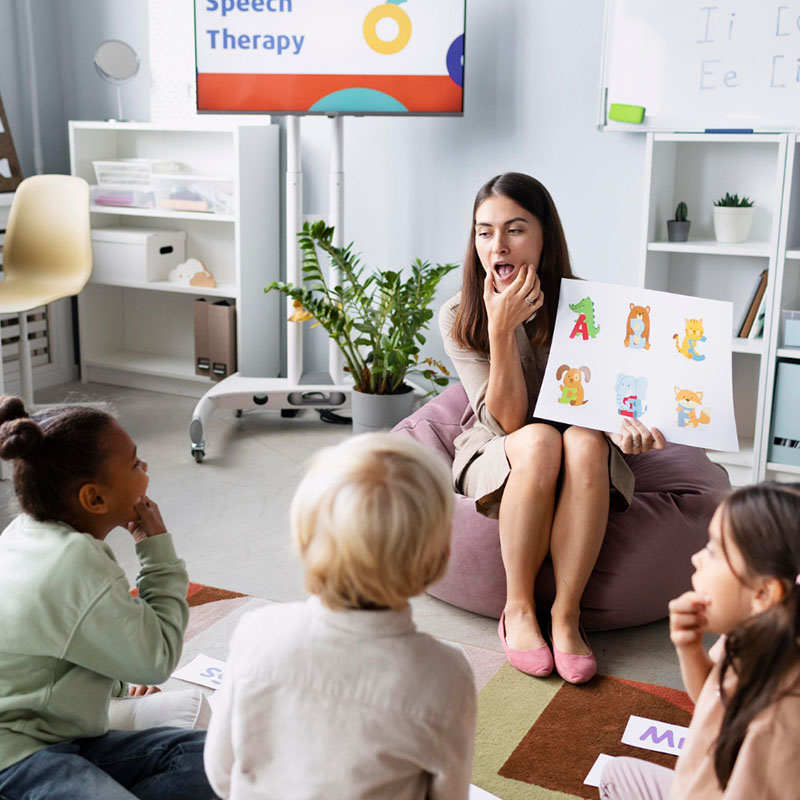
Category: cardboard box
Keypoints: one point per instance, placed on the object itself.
(202, 353)
(222, 339)
(123, 256)
(214, 339)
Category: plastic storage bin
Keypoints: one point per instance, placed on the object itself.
(194, 193)
(132, 171)
(121, 195)
(784, 440)
(791, 327)
(123, 256)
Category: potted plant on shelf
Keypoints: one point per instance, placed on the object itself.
(376, 318)
(678, 228)
(732, 218)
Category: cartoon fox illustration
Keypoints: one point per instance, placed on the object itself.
(694, 333)
(689, 403)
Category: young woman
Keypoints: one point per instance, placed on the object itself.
(743, 739)
(550, 485)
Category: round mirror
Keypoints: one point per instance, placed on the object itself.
(116, 62)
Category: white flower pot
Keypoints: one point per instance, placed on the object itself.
(732, 223)
(379, 412)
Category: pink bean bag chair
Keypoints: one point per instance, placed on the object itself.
(644, 561)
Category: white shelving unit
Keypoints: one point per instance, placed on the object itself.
(142, 334)
(786, 295)
(698, 169)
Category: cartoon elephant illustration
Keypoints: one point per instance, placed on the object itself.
(630, 395)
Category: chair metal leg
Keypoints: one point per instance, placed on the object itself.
(25, 364)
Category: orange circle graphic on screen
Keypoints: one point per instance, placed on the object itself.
(379, 13)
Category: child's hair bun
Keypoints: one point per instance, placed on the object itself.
(20, 436)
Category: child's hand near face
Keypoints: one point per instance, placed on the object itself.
(687, 620)
(687, 624)
(149, 522)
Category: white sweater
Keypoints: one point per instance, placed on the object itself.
(341, 704)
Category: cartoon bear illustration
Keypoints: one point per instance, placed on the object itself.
(637, 328)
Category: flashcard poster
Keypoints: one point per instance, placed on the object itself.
(659, 357)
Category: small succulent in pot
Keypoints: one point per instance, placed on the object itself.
(733, 217)
(678, 228)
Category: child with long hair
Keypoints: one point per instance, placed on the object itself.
(744, 738)
(340, 696)
(71, 633)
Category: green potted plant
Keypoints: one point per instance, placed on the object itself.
(376, 318)
(678, 228)
(733, 217)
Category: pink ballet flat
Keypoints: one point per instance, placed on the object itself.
(575, 668)
(537, 662)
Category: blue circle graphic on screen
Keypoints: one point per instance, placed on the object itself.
(455, 60)
(359, 100)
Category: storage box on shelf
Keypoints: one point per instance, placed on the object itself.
(698, 169)
(137, 326)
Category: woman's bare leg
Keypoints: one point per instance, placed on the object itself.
(526, 517)
(579, 525)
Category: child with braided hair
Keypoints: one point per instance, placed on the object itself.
(71, 634)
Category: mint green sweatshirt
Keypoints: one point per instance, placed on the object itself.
(70, 631)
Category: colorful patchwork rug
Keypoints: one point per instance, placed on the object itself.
(536, 739)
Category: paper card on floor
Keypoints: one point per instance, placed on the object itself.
(593, 778)
(202, 669)
(476, 793)
(650, 734)
(664, 359)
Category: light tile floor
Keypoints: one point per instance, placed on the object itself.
(229, 515)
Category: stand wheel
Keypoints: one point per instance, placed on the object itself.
(199, 455)
(289, 412)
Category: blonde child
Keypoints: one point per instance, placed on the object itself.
(71, 632)
(744, 738)
(340, 696)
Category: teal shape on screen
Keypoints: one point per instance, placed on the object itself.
(355, 100)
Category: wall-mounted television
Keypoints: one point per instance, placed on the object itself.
(401, 57)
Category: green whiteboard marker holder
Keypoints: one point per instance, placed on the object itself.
(620, 112)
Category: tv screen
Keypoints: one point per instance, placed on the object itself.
(330, 56)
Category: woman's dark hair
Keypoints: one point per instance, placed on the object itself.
(471, 324)
(763, 522)
(55, 452)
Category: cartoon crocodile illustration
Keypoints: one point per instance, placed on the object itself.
(585, 325)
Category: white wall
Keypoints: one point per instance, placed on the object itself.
(531, 80)
(531, 88)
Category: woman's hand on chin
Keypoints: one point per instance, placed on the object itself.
(635, 438)
(516, 304)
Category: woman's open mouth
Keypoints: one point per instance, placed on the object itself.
(503, 270)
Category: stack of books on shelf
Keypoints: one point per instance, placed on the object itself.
(752, 326)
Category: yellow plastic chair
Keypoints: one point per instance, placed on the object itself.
(47, 253)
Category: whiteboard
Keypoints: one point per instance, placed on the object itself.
(702, 64)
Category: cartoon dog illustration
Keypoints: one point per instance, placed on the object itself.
(572, 387)
(630, 395)
(689, 403)
(637, 328)
(693, 334)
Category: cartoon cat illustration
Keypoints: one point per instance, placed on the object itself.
(693, 334)
(689, 403)
(637, 328)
